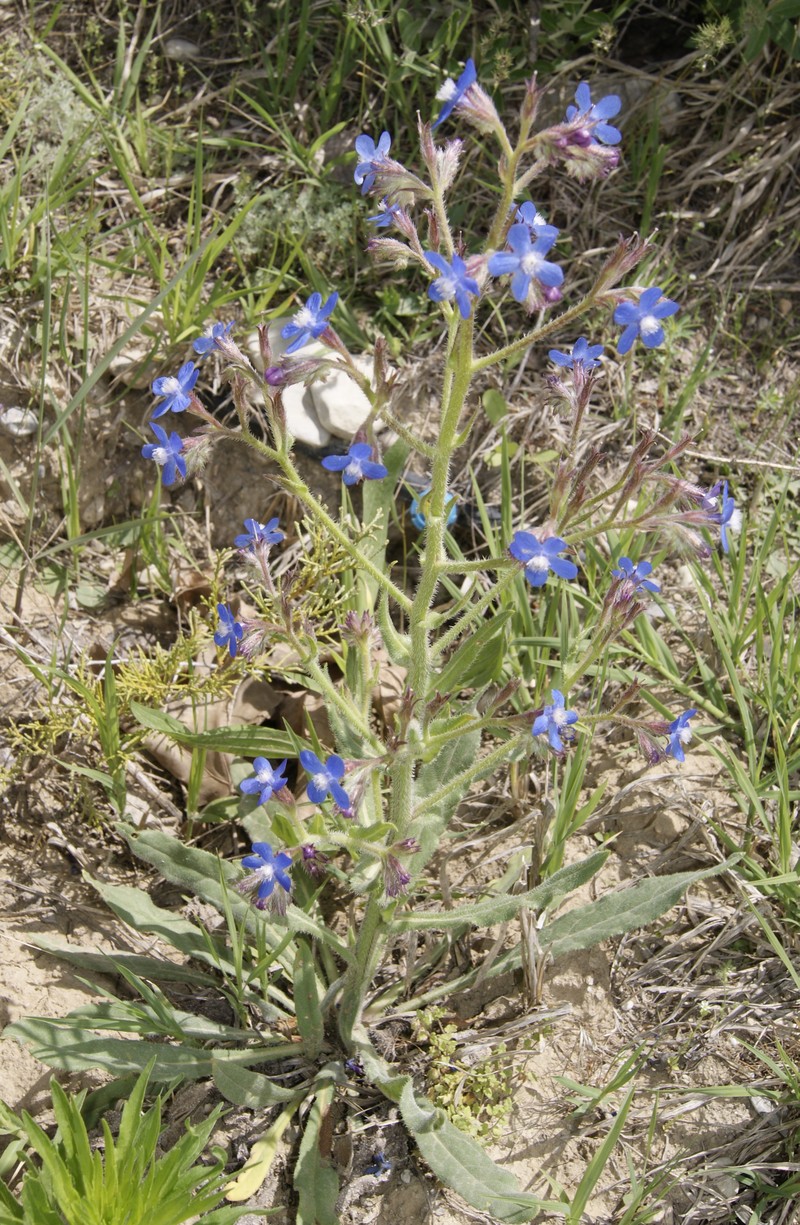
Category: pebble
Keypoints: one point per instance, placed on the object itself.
(180, 49)
(19, 422)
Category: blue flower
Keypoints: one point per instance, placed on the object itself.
(266, 780)
(309, 322)
(372, 157)
(208, 341)
(723, 512)
(526, 261)
(378, 1165)
(528, 214)
(259, 535)
(356, 465)
(583, 354)
(418, 515)
(679, 734)
(553, 720)
(387, 216)
(541, 556)
(593, 117)
(325, 778)
(267, 871)
(174, 389)
(636, 574)
(453, 282)
(167, 454)
(229, 631)
(643, 319)
(452, 92)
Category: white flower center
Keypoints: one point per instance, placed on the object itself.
(267, 872)
(171, 385)
(161, 455)
(531, 263)
(321, 781)
(685, 735)
(305, 318)
(540, 562)
(447, 285)
(446, 91)
(734, 524)
(559, 716)
(649, 324)
(353, 469)
(265, 777)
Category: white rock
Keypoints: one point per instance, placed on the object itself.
(19, 422)
(341, 405)
(180, 49)
(302, 421)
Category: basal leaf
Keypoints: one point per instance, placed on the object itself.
(615, 913)
(307, 1000)
(246, 1088)
(315, 1179)
(61, 1046)
(499, 909)
(455, 1158)
(262, 1155)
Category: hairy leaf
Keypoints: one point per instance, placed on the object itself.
(622, 911)
(499, 909)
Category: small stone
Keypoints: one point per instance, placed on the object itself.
(302, 421)
(785, 306)
(133, 367)
(341, 405)
(762, 1105)
(180, 49)
(19, 422)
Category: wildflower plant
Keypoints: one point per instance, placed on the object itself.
(382, 793)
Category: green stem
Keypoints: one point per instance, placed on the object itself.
(459, 784)
(361, 971)
(544, 329)
(293, 484)
(462, 625)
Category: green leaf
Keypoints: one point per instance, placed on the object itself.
(246, 1088)
(199, 872)
(307, 1000)
(615, 913)
(478, 660)
(107, 963)
(244, 741)
(262, 1155)
(452, 760)
(61, 1046)
(315, 1179)
(377, 504)
(495, 405)
(455, 1158)
(500, 909)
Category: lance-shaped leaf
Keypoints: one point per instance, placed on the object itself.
(478, 660)
(449, 762)
(307, 1000)
(622, 911)
(199, 872)
(243, 741)
(455, 1158)
(75, 1050)
(499, 909)
(315, 1179)
(246, 1088)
